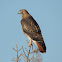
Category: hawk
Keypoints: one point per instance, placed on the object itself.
(32, 30)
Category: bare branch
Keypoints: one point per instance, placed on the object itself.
(27, 55)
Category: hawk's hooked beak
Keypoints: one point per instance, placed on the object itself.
(20, 12)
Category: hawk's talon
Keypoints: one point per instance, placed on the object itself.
(30, 44)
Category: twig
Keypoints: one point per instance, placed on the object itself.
(16, 59)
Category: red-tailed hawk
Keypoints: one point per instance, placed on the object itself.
(32, 30)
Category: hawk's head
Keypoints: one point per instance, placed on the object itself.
(23, 12)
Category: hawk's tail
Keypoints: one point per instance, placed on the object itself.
(41, 46)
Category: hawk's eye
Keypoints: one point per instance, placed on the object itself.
(21, 12)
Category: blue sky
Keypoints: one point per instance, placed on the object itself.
(48, 14)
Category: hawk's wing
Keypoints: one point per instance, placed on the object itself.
(31, 28)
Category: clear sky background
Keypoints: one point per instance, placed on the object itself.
(48, 14)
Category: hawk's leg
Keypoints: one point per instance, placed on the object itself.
(30, 44)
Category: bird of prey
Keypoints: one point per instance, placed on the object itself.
(32, 30)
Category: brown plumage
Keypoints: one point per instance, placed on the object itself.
(32, 30)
